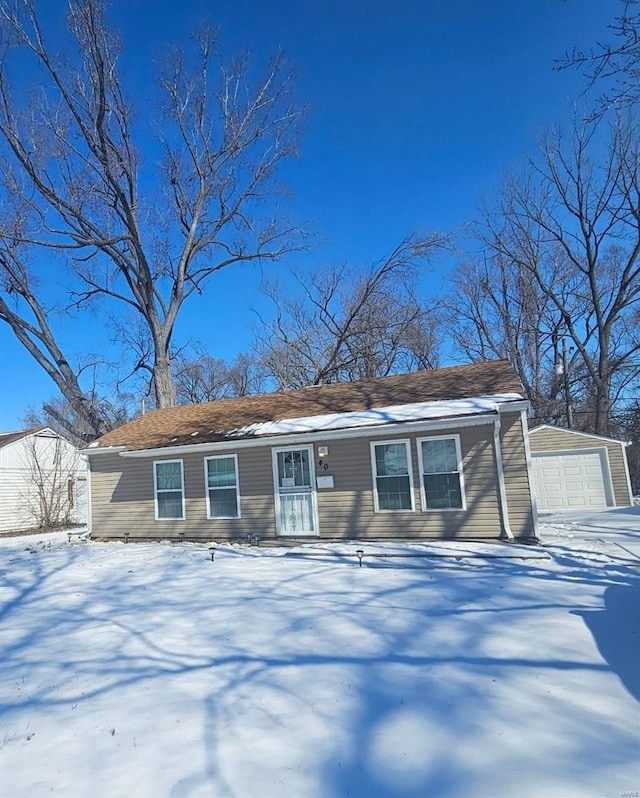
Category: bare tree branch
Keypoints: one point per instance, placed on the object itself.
(349, 325)
(562, 259)
(143, 235)
(614, 65)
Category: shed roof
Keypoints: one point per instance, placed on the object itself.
(231, 419)
(11, 437)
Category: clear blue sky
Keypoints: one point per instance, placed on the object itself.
(416, 109)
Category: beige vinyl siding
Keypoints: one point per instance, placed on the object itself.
(122, 498)
(347, 510)
(549, 439)
(122, 492)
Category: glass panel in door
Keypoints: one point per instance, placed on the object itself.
(295, 495)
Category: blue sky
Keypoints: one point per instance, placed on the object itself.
(416, 110)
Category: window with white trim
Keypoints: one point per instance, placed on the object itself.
(392, 479)
(442, 485)
(223, 490)
(168, 478)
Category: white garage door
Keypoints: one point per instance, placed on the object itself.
(570, 480)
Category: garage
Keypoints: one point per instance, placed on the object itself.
(574, 470)
(571, 481)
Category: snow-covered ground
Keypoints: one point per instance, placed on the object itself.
(149, 670)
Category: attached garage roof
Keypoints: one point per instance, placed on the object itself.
(249, 416)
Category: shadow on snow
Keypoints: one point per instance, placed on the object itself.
(379, 685)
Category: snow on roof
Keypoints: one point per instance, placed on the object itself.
(416, 411)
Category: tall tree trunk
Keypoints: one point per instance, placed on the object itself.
(603, 388)
(164, 385)
(602, 412)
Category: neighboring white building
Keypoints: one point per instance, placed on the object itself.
(43, 477)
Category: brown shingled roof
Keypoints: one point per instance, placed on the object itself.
(213, 421)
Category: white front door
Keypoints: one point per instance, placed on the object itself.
(295, 491)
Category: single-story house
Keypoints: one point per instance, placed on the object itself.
(573, 470)
(43, 480)
(440, 453)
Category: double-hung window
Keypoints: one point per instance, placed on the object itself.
(168, 479)
(393, 482)
(442, 485)
(221, 479)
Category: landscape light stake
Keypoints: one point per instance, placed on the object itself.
(69, 536)
(360, 555)
(126, 537)
(212, 551)
(181, 537)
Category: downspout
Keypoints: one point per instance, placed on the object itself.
(527, 450)
(89, 514)
(502, 487)
(626, 470)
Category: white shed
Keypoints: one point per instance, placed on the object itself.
(43, 480)
(573, 470)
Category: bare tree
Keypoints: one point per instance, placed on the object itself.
(627, 428)
(206, 379)
(564, 265)
(145, 232)
(347, 324)
(246, 376)
(495, 309)
(613, 65)
(58, 414)
(52, 466)
(202, 380)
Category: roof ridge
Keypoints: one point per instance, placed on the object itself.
(327, 386)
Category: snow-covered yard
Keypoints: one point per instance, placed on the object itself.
(149, 670)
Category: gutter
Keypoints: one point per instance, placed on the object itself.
(102, 450)
(514, 407)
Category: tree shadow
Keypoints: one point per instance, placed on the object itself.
(616, 631)
(319, 678)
